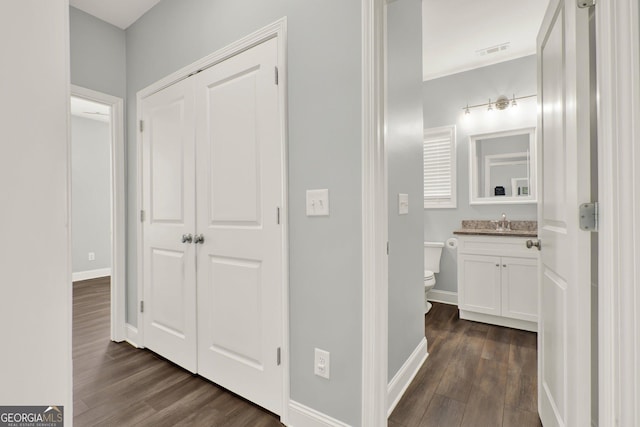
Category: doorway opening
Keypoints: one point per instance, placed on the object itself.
(98, 196)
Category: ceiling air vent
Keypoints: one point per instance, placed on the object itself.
(493, 49)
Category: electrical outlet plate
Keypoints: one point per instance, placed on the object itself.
(92, 256)
(318, 202)
(322, 363)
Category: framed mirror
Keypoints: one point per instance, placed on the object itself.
(502, 167)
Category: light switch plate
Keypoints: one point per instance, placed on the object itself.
(318, 202)
(403, 204)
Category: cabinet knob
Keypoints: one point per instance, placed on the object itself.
(187, 238)
(497, 265)
(504, 265)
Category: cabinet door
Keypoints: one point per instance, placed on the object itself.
(520, 288)
(479, 283)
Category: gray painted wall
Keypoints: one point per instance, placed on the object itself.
(90, 193)
(443, 102)
(404, 166)
(97, 54)
(324, 54)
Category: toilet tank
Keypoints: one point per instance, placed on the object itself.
(432, 253)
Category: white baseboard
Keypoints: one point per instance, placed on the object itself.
(445, 297)
(401, 380)
(132, 335)
(507, 322)
(91, 274)
(303, 416)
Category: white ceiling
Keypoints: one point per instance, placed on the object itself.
(453, 30)
(90, 110)
(120, 13)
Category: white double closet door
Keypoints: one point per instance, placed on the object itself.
(212, 188)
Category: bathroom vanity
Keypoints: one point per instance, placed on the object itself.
(498, 274)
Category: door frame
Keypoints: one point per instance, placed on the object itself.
(375, 222)
(618, 75)
(278, 30)
(118, 207)
(617, 46)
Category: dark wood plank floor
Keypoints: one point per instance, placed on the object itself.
(118, 385)
(476, 375)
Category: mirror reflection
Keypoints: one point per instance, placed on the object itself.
(502, 167)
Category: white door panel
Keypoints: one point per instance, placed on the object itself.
(564, 280)
(234, 151)
(169, 203)
(240, 181)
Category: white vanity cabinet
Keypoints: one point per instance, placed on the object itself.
(498, 281)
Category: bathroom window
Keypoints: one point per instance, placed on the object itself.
(440, 167)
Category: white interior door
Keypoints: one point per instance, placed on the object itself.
(564, 374)
(240, 188)
(169, 203)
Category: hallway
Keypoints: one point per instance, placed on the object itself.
(476, 375)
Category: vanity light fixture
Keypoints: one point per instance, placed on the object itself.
(502, 103)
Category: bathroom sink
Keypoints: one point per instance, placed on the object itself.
(487, 228)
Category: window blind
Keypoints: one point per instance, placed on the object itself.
(439, 167)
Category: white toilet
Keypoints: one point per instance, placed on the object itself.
(432, 253)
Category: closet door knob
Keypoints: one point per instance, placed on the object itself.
(198, 239)
(187, 238)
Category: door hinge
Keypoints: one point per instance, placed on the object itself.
(589, 216)
(141, 306)
(278, 215)
(583, 4)
(141, 125)
(142, 216)
(387, 248)
(277, 79)
(278, 356)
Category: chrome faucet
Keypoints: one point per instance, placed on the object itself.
(504, 224)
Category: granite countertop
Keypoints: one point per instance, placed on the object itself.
(486, 228)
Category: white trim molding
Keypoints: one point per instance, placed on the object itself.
(618, 74)
(402, 379)
(118, 210)
(90, 274)
(303, 416)
(374, 219)
(445, 297)
(132, 336)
